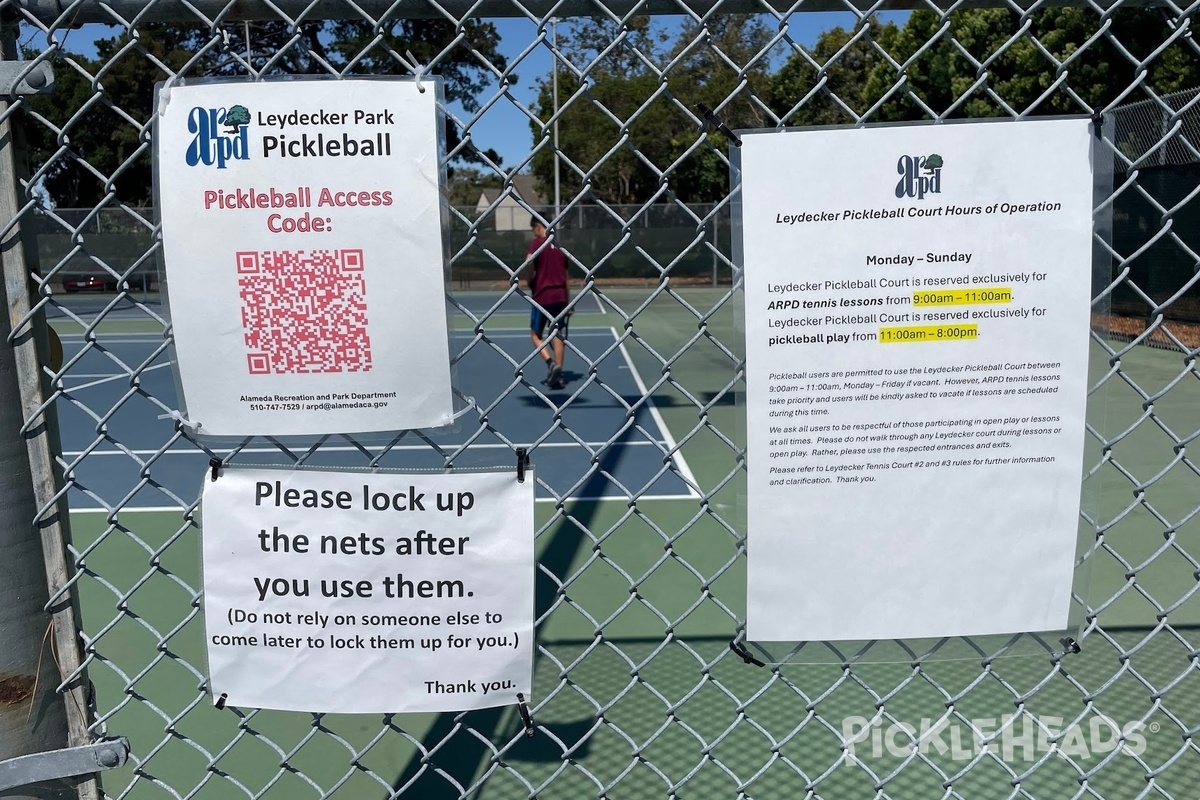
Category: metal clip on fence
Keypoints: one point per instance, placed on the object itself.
(715, 121)
(746, 655)
(215, 465)
(522, 463)
(526, 718)
(418, 71)
(181, 422)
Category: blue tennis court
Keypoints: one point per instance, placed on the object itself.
(120, 441)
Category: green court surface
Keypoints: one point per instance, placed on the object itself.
(636, 691)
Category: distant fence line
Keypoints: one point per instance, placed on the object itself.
(624, 241)
(690, 243)
(1164, 264)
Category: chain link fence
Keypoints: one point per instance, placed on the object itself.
(1159, 225)
(628, 241)
(640, 562)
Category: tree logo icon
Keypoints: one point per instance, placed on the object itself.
(236, 117)
(919, 176)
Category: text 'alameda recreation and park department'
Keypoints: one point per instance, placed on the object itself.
(917, 325)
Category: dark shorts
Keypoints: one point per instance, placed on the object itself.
(538, 321)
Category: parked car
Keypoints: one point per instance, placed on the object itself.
(90, 283)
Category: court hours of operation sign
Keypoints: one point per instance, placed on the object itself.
(302, 246)
(359, 592)
(917, 305)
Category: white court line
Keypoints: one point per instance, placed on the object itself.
(110, 376)
(677, 456)
(541, 500)
(136, 338)
(102, 378)
(104, 341)
(128, 509)
(502, 311)
(350, 449)
(524, 334)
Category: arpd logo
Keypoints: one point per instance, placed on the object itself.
(213, 146)
(919, 176)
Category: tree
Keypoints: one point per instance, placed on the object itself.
(995, 62)
(629, 130)
(605, 48)
(236, 117)
(602, 123)
(610, 138)
(92, 135)
(825, 84)
(982, 63)
(467, 183)
(722, 66)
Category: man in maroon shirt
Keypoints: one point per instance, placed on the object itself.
(548, 284)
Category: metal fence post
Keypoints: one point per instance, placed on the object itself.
(40, 649)
(32, 717)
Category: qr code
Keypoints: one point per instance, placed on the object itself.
(304, 311)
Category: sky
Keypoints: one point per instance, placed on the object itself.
(502, 126)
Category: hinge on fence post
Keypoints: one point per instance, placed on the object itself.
(56, 764)
(26, 77)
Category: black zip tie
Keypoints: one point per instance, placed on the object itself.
(712, 119)
(1098, 124)
(740, 649)
(220, 701)
(522, 463)
(1070, 644)
(215, 464)
(523, 710)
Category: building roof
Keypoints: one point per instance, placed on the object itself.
(524, 185)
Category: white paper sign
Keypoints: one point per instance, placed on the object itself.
(917, 317)
(368, 593)
(302, 242)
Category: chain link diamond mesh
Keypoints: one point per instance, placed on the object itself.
(640, 590)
